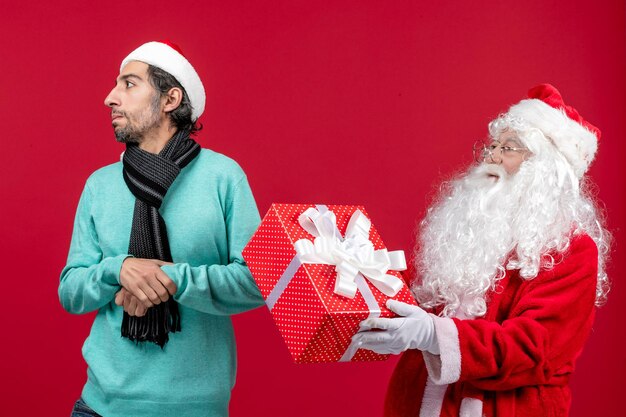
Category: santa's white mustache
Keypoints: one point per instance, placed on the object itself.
(494, 170)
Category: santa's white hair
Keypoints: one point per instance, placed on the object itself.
(479, 226)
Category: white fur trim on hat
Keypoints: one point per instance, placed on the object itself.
(573, 140)
(168, 59)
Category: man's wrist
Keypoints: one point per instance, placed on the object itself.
(113, 268)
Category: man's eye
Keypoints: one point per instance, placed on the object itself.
(129, 84)
(492, 147)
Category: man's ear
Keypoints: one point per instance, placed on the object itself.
(173, 99)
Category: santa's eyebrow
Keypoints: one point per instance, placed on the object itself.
(512, 141)
(509, 139)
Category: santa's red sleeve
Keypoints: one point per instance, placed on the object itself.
(548, 324)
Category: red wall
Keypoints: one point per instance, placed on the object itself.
(360, 102)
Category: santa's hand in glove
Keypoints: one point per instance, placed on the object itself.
(415, 329)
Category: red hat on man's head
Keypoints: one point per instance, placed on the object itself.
(573, 136)
(169, 57)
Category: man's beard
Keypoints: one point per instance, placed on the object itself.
(137, 126)
(465, 240)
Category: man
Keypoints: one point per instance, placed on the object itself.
(156, 250)
(511, 257)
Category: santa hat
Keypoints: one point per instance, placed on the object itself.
(170, 58)
(573, 136)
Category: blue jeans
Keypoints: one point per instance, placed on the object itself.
(82, 410)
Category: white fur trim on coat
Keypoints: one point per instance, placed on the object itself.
(444, 368)
(471, 407)
(432, 401)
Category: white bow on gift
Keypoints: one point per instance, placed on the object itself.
(351, 255)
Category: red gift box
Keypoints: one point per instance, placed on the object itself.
(316, 322)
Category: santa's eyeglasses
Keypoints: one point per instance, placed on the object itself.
(492, 152)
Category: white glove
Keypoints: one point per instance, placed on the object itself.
(415, 330)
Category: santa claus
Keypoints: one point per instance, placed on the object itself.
(510, 263)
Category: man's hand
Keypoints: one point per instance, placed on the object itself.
(415, 330)
(144, 279)
(131, 304)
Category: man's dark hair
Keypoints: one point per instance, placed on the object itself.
(163, 81)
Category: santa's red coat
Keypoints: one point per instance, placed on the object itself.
(517, 359)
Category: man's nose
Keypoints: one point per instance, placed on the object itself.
(112, 99)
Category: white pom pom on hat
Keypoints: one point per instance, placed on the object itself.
(169, 57)
(573, 136)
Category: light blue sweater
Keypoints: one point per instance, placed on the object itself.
(210, 215)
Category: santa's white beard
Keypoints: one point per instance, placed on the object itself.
(480, 221)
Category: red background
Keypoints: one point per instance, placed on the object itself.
(356, 102)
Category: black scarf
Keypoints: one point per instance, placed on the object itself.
(149, 176)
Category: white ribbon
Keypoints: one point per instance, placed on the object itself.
(374, 312)
(351, 255)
